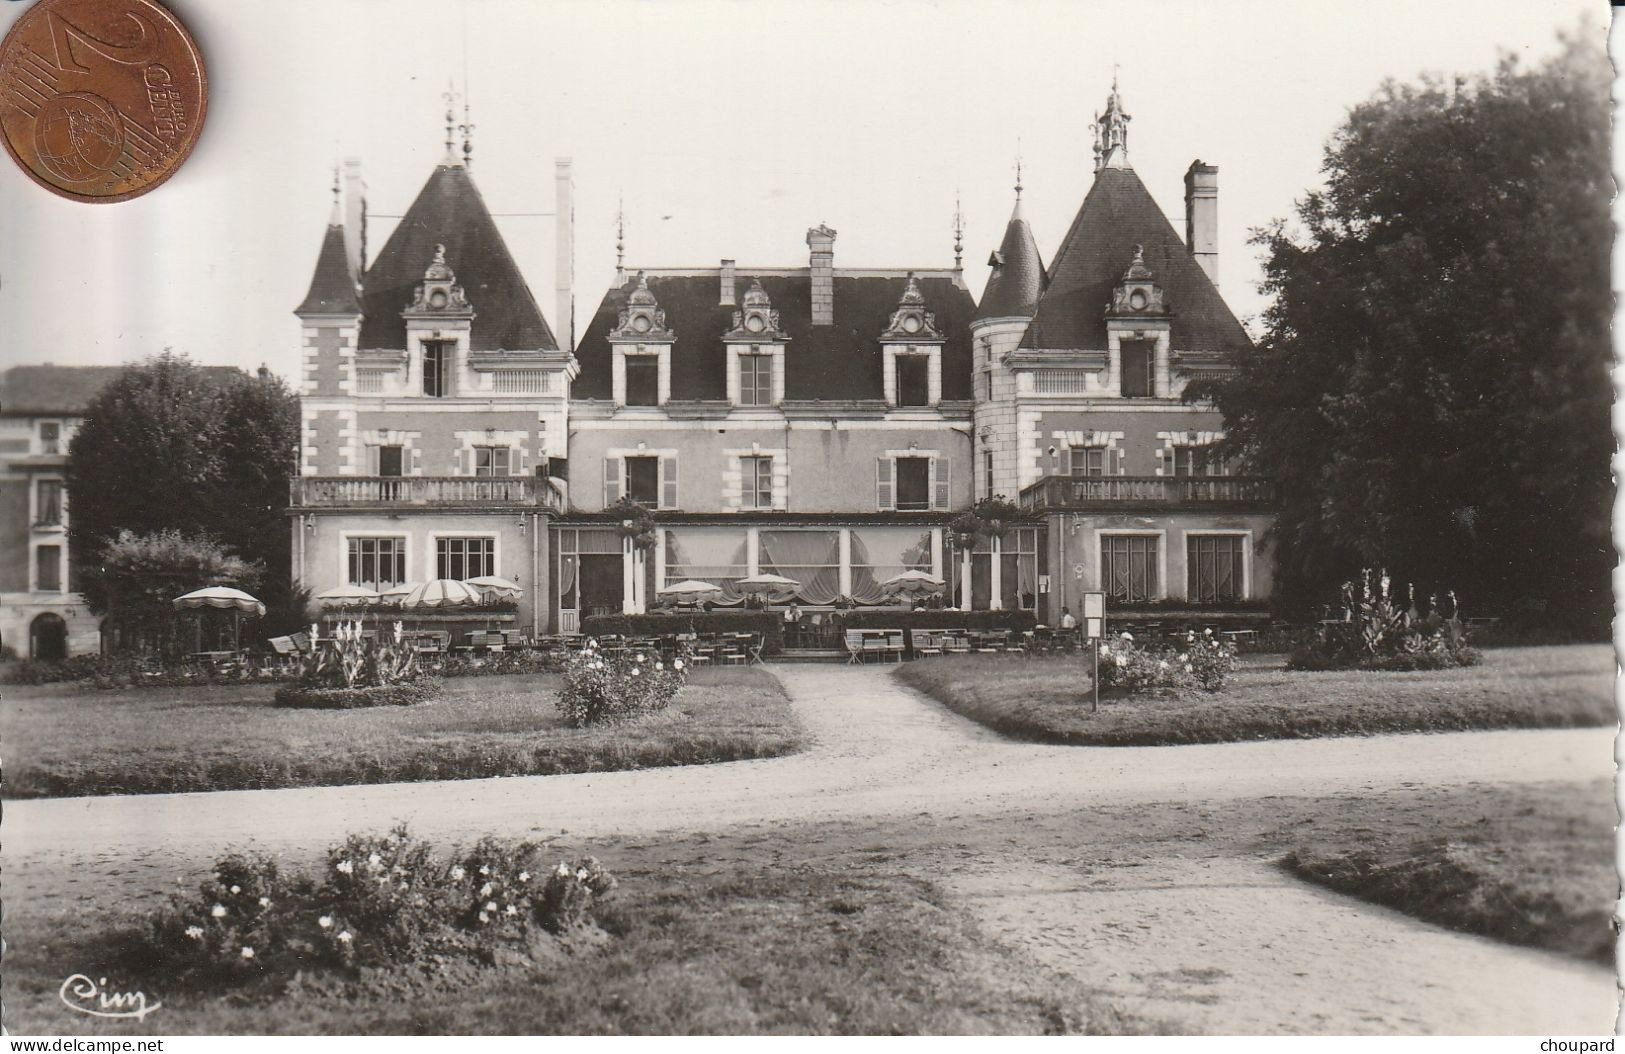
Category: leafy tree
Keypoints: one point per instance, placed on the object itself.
(1432, 393)
(205, 453)
(139, 576)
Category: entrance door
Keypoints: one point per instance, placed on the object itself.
(600, 584)
(48, 638)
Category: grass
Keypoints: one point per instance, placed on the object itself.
(803, 949)
(66, 740)
(1539, 873)
(1047, 700)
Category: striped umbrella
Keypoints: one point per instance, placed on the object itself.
(442, 593)
(396, 594)
(499, 586)
(347, 597)
(223, 597)
(691, 590)
(914, 583)
(773, 587)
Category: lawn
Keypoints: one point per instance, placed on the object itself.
(64, 739)
(1047, 700)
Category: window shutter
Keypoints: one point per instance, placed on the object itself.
(885, 493)
(942, 470)
(612, 481)
(668, 483)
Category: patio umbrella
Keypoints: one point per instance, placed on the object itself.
(500, 586)
(691, 591)
(773, 587)
(396, 594)
(347, 597)
(223, 598)
(914, 583)
(441, 593)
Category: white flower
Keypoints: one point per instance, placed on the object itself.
(582, 875)
(248, 953)
(660, 665)
(1105, 649)
(344, 867)
(218, 911)
(194, 932)
(236, 889)
(265, 902)
(490, 905)
(524, 876)
(634, 673)
(485, 869)
(344, 935)
(457, 872)
(1128, 637)
(374, 860)
(564, 869)
(510, 910)
(677, 664)
(484, 917)
(1207, 632)
(1163, 665)
(485, 890)
(1183, 657)
(325, 922)
(640, 656)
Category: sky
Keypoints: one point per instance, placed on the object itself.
(726, 128)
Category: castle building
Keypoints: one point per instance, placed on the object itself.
(818, 422)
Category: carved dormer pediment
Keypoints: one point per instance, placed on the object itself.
(911, 321)
(756, 319)
(1137, 295)
(439, 295)
(642, 318)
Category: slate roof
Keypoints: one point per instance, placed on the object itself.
(332, 287)
(1018, 277)
(836, 362)
(65, 390)
(449, 211)
(1117, 214)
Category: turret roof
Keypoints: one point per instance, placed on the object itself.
(332, 286)
(1017, 279)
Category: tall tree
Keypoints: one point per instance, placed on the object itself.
(207, 453)
(1432, 393)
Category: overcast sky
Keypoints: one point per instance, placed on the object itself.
(728, 127)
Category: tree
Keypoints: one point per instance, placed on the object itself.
(139, 576)
(205, 453)
(1432, 391)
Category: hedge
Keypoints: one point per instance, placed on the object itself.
(770, 624)
(935, 618)
(403, 694)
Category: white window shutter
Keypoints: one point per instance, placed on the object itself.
(612, 480)
(942, 469)
(885, 493)
(668, 483)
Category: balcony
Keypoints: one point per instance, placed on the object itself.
(394, 492)
(1105, 493)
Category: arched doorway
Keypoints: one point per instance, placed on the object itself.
(48, 638)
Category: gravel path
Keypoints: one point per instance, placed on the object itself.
(1213, 945)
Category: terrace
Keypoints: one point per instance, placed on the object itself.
(1097, 493)
(345, 492)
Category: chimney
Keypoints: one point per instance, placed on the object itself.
(355, 216)
(1202, 216)
(821, 240)
(726, 296)
(564, 247)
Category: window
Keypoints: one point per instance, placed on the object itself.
(642, 380)
(755, 380)
(643, 480)
(913, 380)
(1086, 460)
(1138, 365)
(377, 563)
(437, 359)
(1200, 460)
(49, 562)
(756, 482)
(913, 484)
(1215, 568)
(1128, 567)
(987, 473)
(389, 460)
(48, 503)
(465, 558)
(50, 437)
(492, 461)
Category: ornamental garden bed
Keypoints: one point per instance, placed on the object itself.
(315, 698)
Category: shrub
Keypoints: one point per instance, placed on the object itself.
(602, 689)
(1203, 662)
(1378, 632)
(381, 900)
(315, 697)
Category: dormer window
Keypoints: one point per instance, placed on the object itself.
(438, 356)
(641, 342)
(755, 346)
(642, 380)
(1139, 368)
(912, 348)
(913, 380)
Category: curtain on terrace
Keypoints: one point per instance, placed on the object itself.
(812, 558)
(708, 554)
(879, 553)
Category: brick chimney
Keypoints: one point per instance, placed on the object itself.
(564, 253)
(821, 240)
(1202, 216)
(355, 216)
(725, 294)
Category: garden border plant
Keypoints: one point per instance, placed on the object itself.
(1379, 633)
(356, 670)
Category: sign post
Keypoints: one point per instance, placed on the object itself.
(1094, 627)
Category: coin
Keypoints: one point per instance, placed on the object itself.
(100, 100)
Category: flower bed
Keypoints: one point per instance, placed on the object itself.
(604, 689)
(1203, 662)
(1382, 631)
(315, 697)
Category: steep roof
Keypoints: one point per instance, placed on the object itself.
(449, 211)
(332, 286)
(1117, 214)
(838, 362)
(1018, 277)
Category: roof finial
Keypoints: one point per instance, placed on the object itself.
(620, 237)
(467, 130)
(1018, 168)
(959, 234)
(450, 95)
(337, 217)
(1111, 132)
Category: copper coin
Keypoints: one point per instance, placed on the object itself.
(100, 100)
